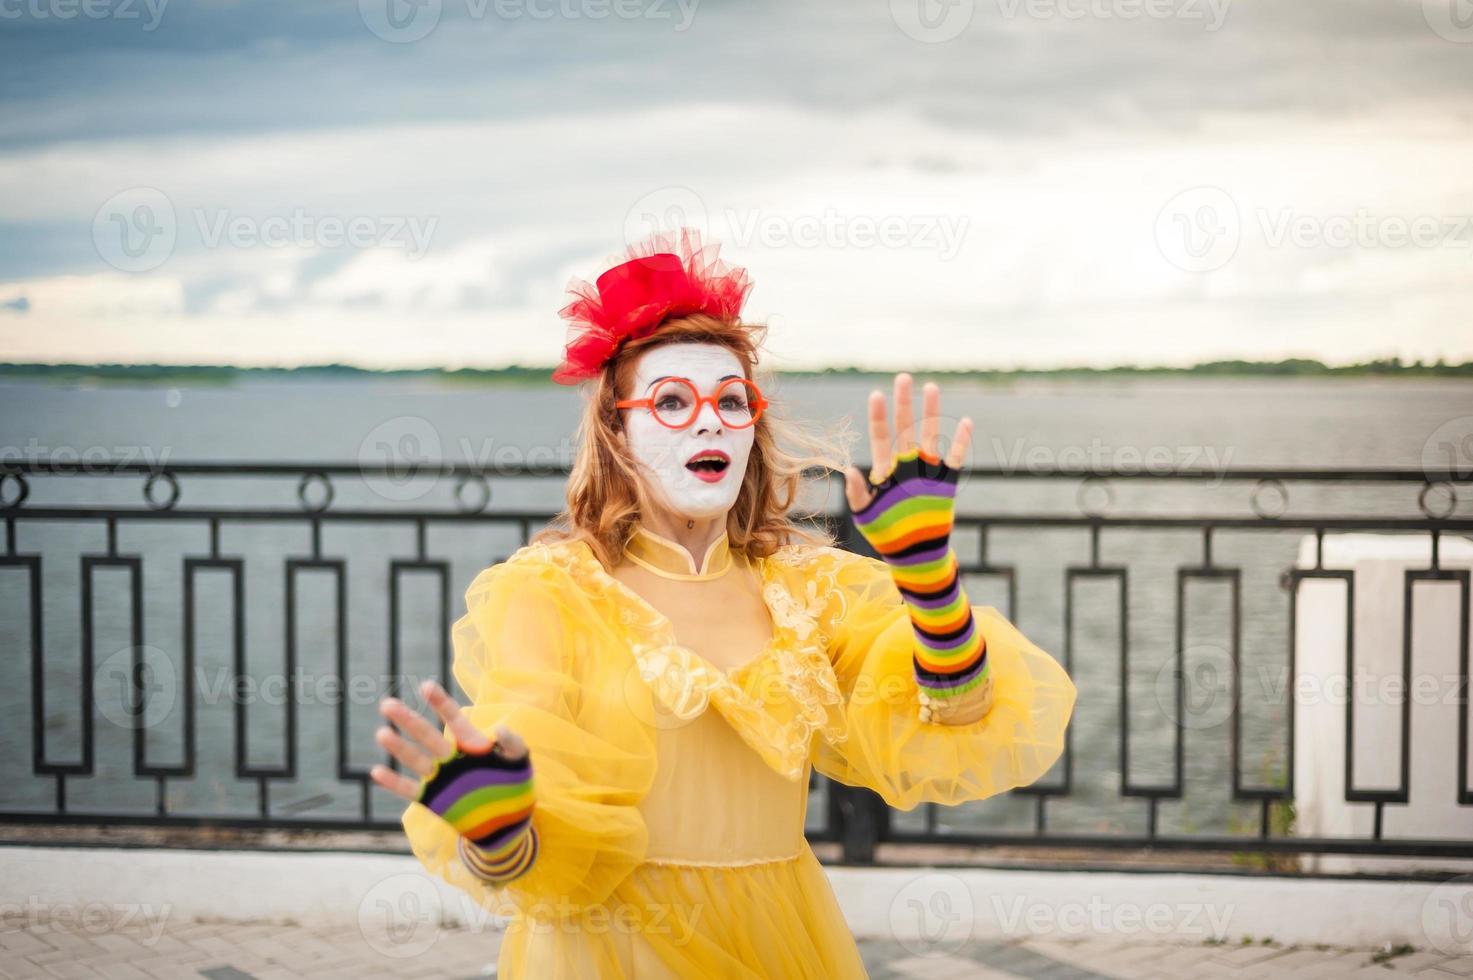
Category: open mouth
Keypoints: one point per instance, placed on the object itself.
(708, 465)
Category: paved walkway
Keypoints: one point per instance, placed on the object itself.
(100, 945)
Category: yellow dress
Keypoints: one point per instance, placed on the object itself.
(671, 777)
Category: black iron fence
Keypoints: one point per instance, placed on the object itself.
(85, 697)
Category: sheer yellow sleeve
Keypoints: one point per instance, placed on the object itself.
(888, 748)
(527, 653)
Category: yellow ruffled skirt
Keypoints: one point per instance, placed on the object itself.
(756, 921)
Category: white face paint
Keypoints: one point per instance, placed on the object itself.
(662, 452)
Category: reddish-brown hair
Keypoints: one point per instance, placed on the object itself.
(606, 496)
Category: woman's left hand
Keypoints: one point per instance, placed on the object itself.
(884, 447)
(904, 511)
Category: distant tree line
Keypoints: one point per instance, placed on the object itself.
(224, 374)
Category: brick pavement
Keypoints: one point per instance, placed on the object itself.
(127, 950)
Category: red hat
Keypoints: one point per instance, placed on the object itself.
(661, 278)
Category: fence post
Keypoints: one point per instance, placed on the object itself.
(861, 819)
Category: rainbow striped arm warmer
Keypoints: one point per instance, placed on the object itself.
(489, 801)
(908, 523)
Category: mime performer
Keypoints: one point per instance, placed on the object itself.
(652, 678)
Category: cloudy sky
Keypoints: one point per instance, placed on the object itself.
(912, 183)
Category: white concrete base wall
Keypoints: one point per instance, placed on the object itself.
(392, 898)
(1322, 692)
(1172, 908)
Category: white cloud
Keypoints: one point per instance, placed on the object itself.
(1057, 260)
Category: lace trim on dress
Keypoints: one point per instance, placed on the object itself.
(670, 862)
(780, 728)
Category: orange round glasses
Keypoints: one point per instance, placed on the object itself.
(675, 402)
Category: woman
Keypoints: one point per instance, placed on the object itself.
(674, 658)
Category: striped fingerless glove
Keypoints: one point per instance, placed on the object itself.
(489, 801)
(908, 523)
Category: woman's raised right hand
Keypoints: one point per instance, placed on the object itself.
(422, 742)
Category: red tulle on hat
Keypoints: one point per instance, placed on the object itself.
(666, 276)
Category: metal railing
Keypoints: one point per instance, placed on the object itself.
(34, 554)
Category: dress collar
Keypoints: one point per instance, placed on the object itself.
(669, 559)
